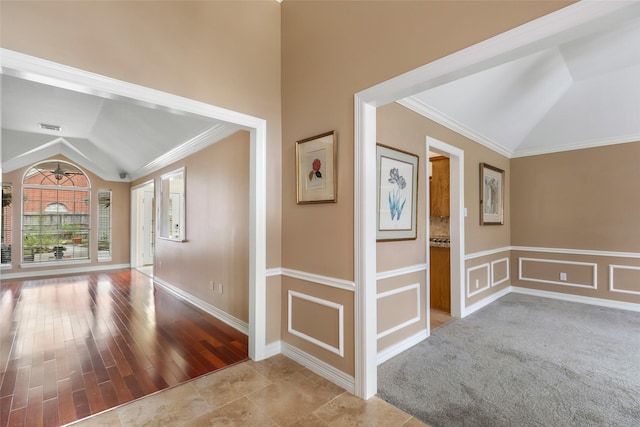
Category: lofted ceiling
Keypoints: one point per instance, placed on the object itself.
(118, 140)
(582, 92)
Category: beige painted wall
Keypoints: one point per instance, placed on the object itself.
(581, 199)
(578, 200)
(217, 227)
(121, 200)
(224, 53)
(330, 51)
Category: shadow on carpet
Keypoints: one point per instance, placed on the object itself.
(522, 361)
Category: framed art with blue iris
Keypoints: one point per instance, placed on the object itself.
(397, 176)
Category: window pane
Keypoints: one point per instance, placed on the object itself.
(56, 213)
(104, 225)
(7, 216)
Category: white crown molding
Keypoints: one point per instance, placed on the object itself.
(230, 320)
(431, 113)
(578, 146)
(208, 137)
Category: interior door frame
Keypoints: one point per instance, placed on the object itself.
(135, 222)
(39, 70)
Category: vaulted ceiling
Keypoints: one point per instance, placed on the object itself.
(118, 140)
(582, 92)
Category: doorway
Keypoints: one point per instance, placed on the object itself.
(143, 227)
(454, 222)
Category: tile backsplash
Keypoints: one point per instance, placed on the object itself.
(439, 226)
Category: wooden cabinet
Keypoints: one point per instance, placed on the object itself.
(440, 279)
(439, 186)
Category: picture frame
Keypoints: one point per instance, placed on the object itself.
(316, 178)
(397, 195)
(492, 182)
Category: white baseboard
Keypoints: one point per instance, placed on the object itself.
(321, 368)
(485, 302)
(63, 271)
(577, 298)
(404, 345)
(205, 306)
(272, 349)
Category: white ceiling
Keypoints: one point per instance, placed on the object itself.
(118, 140)
(581, 93)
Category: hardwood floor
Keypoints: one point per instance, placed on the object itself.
(74, 346)
(439, 318)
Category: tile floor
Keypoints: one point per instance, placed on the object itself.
(272, 392)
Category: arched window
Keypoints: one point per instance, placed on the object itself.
(55, 213)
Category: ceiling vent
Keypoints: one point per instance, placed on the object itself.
(50, 127)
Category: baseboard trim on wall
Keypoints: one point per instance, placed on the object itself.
(204, 306)
(577, 298)
(321, 368)
(485, 302)
(63, 271)
(401, 346)
(272, 349)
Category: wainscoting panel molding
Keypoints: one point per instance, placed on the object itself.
(477, 289)
(594, 276)
(506, 278)
(416, 318)
(339, 350)
(612, 280)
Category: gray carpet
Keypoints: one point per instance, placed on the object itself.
(522, 361)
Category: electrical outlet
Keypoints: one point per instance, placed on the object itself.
(477, 283)
(211, 285)
(220, 290)
(563, 276)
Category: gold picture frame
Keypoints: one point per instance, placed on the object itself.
(316, 177)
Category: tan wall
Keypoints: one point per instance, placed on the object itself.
(217, 227)
(223, 53)
(330, 51)
(584, 200)
(121, 201)
(581, 199)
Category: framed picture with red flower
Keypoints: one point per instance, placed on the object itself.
(316, 169)
(397, 176)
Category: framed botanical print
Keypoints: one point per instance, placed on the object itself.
(397, 179)
(491, 195)
(316, 169)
